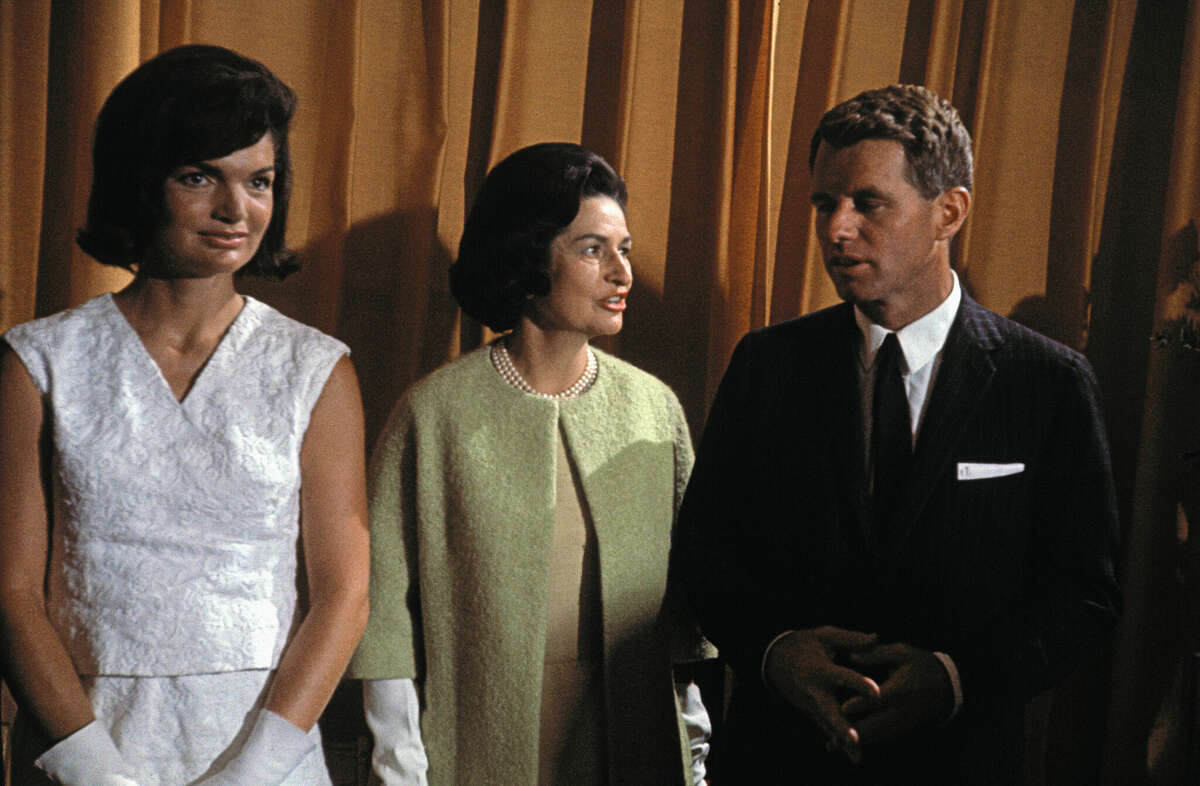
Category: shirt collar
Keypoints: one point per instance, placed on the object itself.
(921, 340)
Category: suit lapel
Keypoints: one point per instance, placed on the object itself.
(962, 380)
(843, 408)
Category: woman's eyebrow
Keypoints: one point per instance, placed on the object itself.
(601, 238)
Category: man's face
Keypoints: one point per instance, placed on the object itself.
(880, 239)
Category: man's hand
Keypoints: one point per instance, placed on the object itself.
(802, 668)
(915, 691)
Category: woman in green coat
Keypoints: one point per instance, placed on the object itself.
(522, 501)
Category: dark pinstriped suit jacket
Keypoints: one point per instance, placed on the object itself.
(1012, 576)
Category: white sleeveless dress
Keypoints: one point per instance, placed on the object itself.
(173, 576)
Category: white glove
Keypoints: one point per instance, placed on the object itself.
(394, 717)
(699, 727)
(85, 758)
(274, 748)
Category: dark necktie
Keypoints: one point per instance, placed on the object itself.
(891, 438)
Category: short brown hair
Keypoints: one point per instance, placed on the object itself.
(936, 144)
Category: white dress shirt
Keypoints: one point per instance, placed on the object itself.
(921, 344)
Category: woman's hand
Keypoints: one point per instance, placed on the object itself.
(698, 725)
(273, 749)
(393, 715)
(86, 758)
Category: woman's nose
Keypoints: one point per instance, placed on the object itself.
(620, 271)
(231, 205)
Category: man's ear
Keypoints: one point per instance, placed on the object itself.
(952, 207)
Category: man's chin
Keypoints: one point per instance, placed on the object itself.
(852, 294)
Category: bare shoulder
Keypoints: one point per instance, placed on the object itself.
(338, 411)
(18, 393)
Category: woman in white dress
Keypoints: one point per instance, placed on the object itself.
(183, 537)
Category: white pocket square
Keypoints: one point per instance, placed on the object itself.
(968, 470)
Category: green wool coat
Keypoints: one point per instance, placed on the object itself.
(462, 488)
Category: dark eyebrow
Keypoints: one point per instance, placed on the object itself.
(862, 193)
(601, 238)
(209, 169)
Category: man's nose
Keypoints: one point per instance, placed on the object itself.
(842, 224)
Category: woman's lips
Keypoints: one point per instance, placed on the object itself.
(224, 239)
(615, 303)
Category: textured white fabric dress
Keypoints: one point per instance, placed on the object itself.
(174, 544)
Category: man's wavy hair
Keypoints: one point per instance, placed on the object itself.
(186, 105)
(936, 144)
(525, 202)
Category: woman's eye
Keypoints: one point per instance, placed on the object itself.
(192, 178)
(592, 251)
(261, 183)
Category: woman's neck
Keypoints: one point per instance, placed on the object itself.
(550, 361)
(180, 311)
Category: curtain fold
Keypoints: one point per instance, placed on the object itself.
(743, 277)
(800, 284)
(24, 81)
(1160, 630)
(1085, 120)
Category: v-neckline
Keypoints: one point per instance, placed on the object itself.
(203, 373)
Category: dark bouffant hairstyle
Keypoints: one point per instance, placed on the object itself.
(186, 105)
(936, 144)
(525, 202)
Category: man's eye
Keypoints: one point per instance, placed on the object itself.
(261, 183)
(192, 178)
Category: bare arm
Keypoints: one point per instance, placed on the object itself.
(336, 543)
(36, 663)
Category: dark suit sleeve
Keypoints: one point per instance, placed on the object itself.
(1069, 593)
(710, 552)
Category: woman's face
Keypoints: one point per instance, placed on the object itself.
(590, 275)
(217, 212)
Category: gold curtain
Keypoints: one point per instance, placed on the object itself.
(1084, 116)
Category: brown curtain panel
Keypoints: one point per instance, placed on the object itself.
(1085, 114)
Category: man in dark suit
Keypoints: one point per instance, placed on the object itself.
(901, 522)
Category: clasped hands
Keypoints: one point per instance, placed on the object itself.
(825, 673)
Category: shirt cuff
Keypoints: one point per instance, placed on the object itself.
(955, 682)
(762, 668)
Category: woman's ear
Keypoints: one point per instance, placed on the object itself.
(952, 207)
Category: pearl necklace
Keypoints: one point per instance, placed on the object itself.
(503, 363)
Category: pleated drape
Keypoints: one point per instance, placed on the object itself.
(1155, 696)
(1083, 225)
